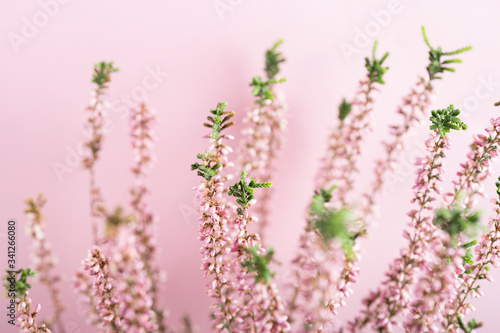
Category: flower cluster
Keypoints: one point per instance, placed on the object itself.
(106, 300)
(96, 120)
(141, 122)
(264, 134)
(43, 257)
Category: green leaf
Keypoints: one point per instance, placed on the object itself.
(260, 263)
(436, 62)
(375, 69)
(344, 109)
(273, 60)
(20, 278)
(102, 73)
(245, 191)
(445, 120)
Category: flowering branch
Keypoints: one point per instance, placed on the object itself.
(141, 121)
(43, 257)
(339, 169)
(214, 220)
(394, 298)
(95, 123)
(340, 163)
(261, 307)
(264, 134)
(26, 318)
(107, 302)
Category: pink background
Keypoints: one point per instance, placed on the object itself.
(46, 84)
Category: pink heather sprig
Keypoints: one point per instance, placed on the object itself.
(43, 258)
(477, 168)
(264, 135)
(96, 113)
(214, 221)
(27, 316)
(393, 298)
(261, 308)
(487, 253)
(216, 240)
(141, 121)
(469, 185)
(339, 166)
(437, 285)
(415, 105)
(344, 146)
(17, 286)
(104, 290)
(261, 143)
(82, 283)
(316, 278)
(325, 248)
(132, 283)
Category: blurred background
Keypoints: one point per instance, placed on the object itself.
(184, 57)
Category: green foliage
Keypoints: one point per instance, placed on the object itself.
(498, 186)
(471, 325)
(457, 221)
(330, 223)
(115, 220)
(437, 65)
(273, 59)
(219, 121)
(344, 109)
(20, 279)
(263, 89)
(102, 73)
(468, 258)
(446, 119)
(375, 68)
(209, 168)
(260, 263)
(245, 192)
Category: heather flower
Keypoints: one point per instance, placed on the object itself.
(485, 254)
(82, 283)
(26, 316)
(264, 135)
(261, 308)
(96, 113)
(339, 166)
(131, 281)
(141, 132)
(43, 257)
(105, 293)
(320, 265)
(384, 306)
(214, 221)
(415, 106)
